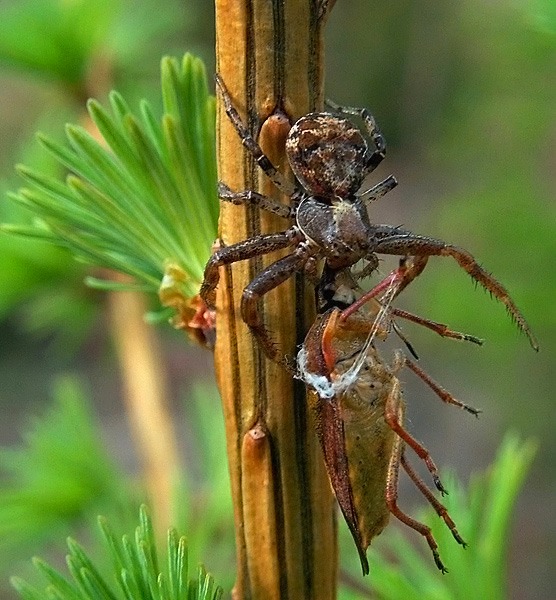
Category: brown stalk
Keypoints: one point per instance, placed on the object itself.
(146, 399)
(269, 54)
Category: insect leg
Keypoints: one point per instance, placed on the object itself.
(391, 417)
(401, 277)
(443, 394)
(392, 503)
(440, 328)
(439, 508)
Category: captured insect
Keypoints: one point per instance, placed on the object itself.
(330, 159)
(359, 412)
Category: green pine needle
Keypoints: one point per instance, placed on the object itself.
(136, 571)
(142, 201)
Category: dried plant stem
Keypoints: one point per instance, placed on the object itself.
(269, 54)
(146, 397)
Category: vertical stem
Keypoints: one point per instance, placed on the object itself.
(146, 399)
(269, 54)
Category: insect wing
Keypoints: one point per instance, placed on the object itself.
(330, 427)
(339, 361)
(371, 447)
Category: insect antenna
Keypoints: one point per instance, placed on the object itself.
(397, 330)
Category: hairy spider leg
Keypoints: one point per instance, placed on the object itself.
(264, 282)
(378, 190)
(255, 199)
(249, 142)
(405, 242)
(376, 157)
(255, 246)
(439, 508)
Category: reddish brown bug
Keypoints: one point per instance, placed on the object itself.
(359, 413)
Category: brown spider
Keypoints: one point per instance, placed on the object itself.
(330, 159)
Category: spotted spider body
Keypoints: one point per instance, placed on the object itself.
(330, 159)
(328, 156)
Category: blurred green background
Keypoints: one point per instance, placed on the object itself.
(465, 93)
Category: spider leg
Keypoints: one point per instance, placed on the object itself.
(375, 157)
(255, 199)
(391, 496)
(255, 246)
(368, 269)
(439, 508)
(249, 142)
(402, 242)
(378, 190)
(392, 418)
(267, 280)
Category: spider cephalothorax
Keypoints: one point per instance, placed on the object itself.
(329, 213)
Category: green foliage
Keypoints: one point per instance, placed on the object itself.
(59, 474)
(143, 202)
(204, 501)
(135, 568)
(61, 49)
(63, 40)
(543, 17)
(483, 516)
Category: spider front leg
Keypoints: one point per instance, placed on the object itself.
(252, 146)
(264, 282)
(255, 246)
(376, 157)
(405, 242)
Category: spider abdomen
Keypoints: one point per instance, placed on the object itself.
(327, 154)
